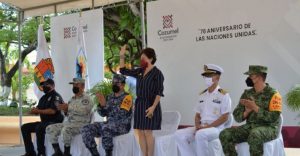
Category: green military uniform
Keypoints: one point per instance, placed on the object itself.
(260, 127)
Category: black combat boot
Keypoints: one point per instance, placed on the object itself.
(94, 151)
(29, 154)
(108, 152)
(57, 151)
(67, 151)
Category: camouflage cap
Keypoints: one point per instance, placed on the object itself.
(256, 69)
(77, 80)
(119, 78)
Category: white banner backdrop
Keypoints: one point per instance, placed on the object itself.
(233, 34)
(64, 48)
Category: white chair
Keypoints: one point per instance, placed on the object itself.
(215, 146)
(77, 146)
(123, 144)
(272, 148)
(165, 144)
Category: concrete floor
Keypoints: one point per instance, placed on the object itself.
(9, 150)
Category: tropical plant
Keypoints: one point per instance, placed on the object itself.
(104, 87)
(293, 98)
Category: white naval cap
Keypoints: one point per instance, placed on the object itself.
(212, 69)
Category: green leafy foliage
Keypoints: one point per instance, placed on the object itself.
(293, 98)
(12, 111)
(104, 87)
(121, 27)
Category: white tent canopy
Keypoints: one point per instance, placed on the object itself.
(33, 8)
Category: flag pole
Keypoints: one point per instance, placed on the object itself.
(20, 22)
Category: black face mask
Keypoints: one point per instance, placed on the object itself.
(249, 82)
(115, 88)
(46, 89)
(75, 90)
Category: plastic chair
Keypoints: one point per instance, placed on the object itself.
(77, 146)
(165, 144)
(215, 146)
(123, 144)
(272, 148)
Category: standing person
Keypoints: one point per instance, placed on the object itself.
(49, 114)
(79, 114)
(212, 112)
(117, 107)
(149, 89)
(261, 107)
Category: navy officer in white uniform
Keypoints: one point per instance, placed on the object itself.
(211, 113)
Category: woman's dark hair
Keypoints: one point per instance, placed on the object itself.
(150, 53)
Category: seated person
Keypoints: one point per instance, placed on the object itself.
(117, 108)
(79, 114)
(260, 106)
(49, 114)
(212, 111)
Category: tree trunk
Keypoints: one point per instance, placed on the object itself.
(6, 78)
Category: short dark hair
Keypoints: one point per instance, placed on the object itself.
(150, 53)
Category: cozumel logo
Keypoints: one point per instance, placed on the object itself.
(167, 21)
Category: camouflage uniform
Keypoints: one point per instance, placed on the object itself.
(79, 114)
(260, 127)
(118, 111)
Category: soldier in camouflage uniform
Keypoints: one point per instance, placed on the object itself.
(260, 106)
(79, 114)
(117, 108)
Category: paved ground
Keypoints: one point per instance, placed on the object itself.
(9, 150)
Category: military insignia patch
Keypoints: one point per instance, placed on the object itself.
(222, 91)
(85, 101)
(203, 91)
(126, 103)
(205, 68)
(276, 103)
(216, 101)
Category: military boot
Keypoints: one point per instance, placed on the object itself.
(67, 151)
(94, 151)
(57, 151)
(108, 152)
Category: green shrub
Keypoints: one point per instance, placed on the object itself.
(12, 111)
(293, 98)
(104, 87)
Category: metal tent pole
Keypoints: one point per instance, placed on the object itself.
(142, 8)
(20, 21)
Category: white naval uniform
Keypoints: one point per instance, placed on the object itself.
(211, 106)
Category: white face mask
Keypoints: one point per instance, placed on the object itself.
(208, 81)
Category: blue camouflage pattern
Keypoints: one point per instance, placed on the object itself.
(118, 123)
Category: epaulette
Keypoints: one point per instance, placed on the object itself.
(203, 91)
(222, 91)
